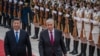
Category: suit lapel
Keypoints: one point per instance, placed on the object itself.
(48, 37)
(20, 36)
(13, 35)
(55, 37)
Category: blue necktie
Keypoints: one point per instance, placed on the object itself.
(16, 36)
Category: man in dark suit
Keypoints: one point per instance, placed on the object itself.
(51, 41)
(26, 16)
(17, 41)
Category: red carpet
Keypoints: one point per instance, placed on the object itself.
(2, 48)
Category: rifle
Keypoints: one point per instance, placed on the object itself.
(75, 24)
(99, 40)
(41, 14)
(66, 29)
(82, 29)
(36, 12)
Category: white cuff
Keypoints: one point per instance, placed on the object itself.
(67, 15)
(94, 22)
(47, 9)
(10, 1)
(15, 1)
(55, 12)
(36, 7)
(59, 13)
(85, 19)
(20, 2)
(41, 8)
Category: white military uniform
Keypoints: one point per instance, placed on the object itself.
(79, 19)
(96, 26)
(87, 24)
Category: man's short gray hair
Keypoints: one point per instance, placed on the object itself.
(50, 20)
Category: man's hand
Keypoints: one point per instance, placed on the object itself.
(8, 55)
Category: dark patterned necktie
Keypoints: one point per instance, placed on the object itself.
(51, 38)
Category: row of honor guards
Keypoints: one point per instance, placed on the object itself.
(10, 9)
(77, 19)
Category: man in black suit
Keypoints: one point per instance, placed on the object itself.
(51, 41)
(17, 41)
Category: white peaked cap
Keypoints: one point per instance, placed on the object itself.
(10, 0)
(20, 2)
(53, 3)
(15, 1)
(40, 1)
(46, 2)
(67, 6)
(60, 5)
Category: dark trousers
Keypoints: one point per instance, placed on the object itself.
(53, 53)
(26, 27)
(4, 20)
(9, 22)
(0, 19)
(36, 31)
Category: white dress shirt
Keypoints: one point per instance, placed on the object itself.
(52, 34)
(18, 33)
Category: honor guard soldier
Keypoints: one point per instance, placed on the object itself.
(47, 10)
(5, 13)
(41, 18)
(67, 28)
(54, 13)
(20, 7)
(95, 30)
(26, 14)
(87, 26)
(79, 18)
(74, 35)
(0, 12)
(2, 18)
(15, 8)
(41, 4)
(36, 18)
(60, 17)
(98, 45)
(81, 32)
(10, 12)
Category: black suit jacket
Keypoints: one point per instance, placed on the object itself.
(45, 47)
(17, 49)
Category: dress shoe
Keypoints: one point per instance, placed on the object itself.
(74, 52)
(34, 37)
